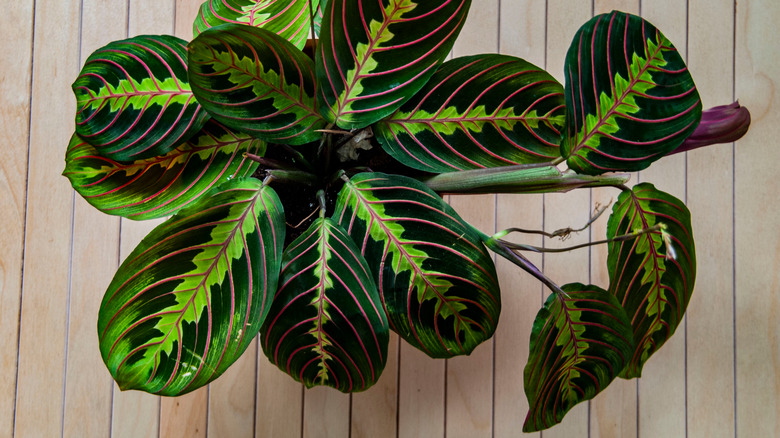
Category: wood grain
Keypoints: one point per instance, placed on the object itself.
(88, 385)
(16, 30)
(374, 412)
(710, 378)
(714, 378)
(45, 287)
(661, 389)
(757, 251)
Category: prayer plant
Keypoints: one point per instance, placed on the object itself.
(303, 177)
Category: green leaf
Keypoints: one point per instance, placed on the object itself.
(476, 112)
(193, 294)
(437, 281)
(630, 97)
(375, 55)
(327, 325)
(255, 82)
(160, 186)
(290, 19)
(134, 100)
(579, 343)
(652, 275)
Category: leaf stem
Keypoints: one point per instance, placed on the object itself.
(529, 178)
(294, 176)
(623, 237)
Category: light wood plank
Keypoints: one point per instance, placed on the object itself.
(522, 34)
(757, 211)
(421, 392)
(613, 412)
(710, 365)
(88, 385)
(16, 30)
(45, 291)
(231, 405)
(325, 413)
(374, 411)
(661, 389)
(279, 402)
(571, 209)
(470, 378)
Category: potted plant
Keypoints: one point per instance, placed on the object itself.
(303, 177)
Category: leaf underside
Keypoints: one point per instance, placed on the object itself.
(437, 281)
(327, 325)
(653, 275)
(290, 19)
(160, 186)
(253, 81)
(134, 100)
(579, 343)
(629, 94)
(192, 295)
(476, 112)
(373, 55)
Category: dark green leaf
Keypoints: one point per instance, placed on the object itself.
(437, 281)
(375, 55)
(630, 97)
(653, 274)
(475, 112)
(160, 186)
(192, 295)
(134, 100)
(290, 19)
(255, 82)
(327, 325)
(580, 342)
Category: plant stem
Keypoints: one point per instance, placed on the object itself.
(499, 247)
(629, 236)
(541, 178)
(294, 176)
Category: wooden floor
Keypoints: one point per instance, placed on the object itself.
(718, 377)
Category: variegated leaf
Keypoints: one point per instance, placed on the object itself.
(580, 342)
(374, 55)
(193, 294)
(630, 97)
(653, 274)
(476, 112)
(327, 325)
(134, 100)
(160, 186)
(254, 81)
(437, 281)
(290, 19)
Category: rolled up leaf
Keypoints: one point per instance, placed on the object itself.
(134, 100)
(437, 281)
(160, 186)
(374, 55)
(476, 112)
(253, 81)
(579, 343)
(327, 325)
(290, 19)
(653, 275)
(193, 294)
(630, 98)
